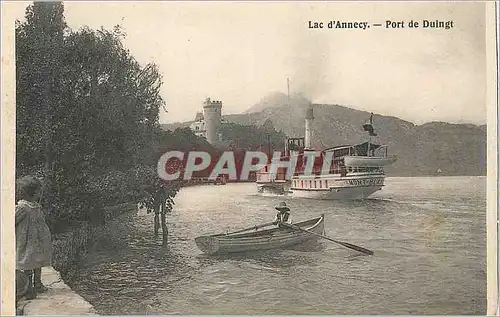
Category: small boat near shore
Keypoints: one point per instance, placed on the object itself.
(257, 240)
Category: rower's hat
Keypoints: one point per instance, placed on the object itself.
(282, 206)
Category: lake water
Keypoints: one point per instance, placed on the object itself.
(428, 235)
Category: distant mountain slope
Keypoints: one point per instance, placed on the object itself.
(278, 99)
(455, 149)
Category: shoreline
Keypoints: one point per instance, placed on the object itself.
(59, 298)
(69, 248)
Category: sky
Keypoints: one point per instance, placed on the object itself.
(240, 52)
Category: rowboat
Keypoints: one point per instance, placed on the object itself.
(266, 239)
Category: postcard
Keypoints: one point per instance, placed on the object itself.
(249, 158)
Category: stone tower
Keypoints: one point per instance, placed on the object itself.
(212, 113)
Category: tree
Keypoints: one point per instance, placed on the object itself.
(158, 199)
(87, 115)
(39, 50)
(268, 126)
(123, 99)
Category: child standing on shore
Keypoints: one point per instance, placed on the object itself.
(33, 238)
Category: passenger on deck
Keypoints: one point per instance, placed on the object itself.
(283, 215)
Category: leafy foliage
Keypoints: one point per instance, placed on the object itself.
(250, 137)
(183, 139)
(158, 198)
(87, 116)
(157, 192)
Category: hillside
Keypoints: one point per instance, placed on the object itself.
(276, 100)
(456, 149)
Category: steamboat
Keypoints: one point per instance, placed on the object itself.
(343, 172)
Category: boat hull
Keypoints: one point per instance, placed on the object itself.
(276, 188)
(276, 238)
(341, 193)
(337, 187)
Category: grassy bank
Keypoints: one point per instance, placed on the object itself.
(70, 247)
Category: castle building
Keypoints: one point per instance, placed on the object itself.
(198, 126)
(207, 123)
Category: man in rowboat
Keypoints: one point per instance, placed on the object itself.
(283, 215)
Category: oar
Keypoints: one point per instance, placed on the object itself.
(345, 244)
(250, 228)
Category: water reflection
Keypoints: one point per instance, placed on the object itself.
(423, 261)
(268, 258)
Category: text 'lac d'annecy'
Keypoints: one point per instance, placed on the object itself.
(388, 24)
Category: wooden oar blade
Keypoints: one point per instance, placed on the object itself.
(345, 244)
(357, 248)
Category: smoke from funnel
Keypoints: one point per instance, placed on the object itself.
(310, 65)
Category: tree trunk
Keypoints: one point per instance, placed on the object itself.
(48, 147)
(164, 224)
(157, 222)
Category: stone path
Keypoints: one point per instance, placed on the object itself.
(58, 300)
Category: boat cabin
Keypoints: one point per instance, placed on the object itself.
(363, 149)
